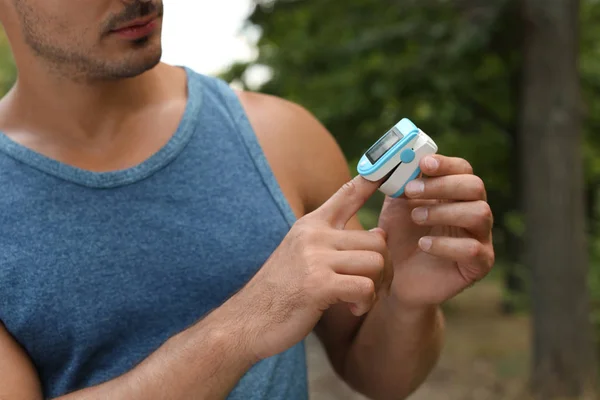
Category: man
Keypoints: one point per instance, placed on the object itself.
(166, 238)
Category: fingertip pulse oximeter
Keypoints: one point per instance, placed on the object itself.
(398, 152)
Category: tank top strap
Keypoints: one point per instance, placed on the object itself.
(250, 141)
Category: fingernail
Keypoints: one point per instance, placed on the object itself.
(425, 243)
(431, 163)
(416, 186)
(420, 214)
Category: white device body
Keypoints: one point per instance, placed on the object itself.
(404, 156)
(406, 172)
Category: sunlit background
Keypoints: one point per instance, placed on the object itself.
(205, 35)
(208, 36)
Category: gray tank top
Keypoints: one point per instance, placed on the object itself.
(97, 270)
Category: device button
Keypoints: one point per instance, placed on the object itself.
(407, 156)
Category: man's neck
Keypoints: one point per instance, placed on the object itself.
(41, 104)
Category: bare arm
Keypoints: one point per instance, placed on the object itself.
(203, 362)
(18, 378)
(388, 354)
(390, 351)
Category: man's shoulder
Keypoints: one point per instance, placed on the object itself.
(280, 120)
(297, 145)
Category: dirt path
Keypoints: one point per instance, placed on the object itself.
(486, 356)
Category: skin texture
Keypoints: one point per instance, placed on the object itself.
(372, 297)
(75, 46)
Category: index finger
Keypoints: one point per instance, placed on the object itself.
(347, 201)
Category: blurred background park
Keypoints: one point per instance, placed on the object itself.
(511, 85)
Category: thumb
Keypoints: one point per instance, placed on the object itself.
(346, 202)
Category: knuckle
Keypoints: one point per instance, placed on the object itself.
(463, 182)
(349, 188)
(313, 259)
(305, 231)
(378, 260)
(491, 260)
(468, 168)
(479, 186)
(365, 287)
(303, 223)
(474, 249)
(484, 211)
(299, 228)
(316, 278)
(380, 244)
(352, 190)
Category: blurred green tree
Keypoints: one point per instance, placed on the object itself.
(452, 67)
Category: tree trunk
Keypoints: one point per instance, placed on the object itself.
(564, 364)
(514, 275)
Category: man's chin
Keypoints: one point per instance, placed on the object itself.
(134, 68)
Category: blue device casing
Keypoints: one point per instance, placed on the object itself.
(392, 157)
(401, 159)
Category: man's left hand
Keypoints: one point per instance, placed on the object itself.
(439, 234)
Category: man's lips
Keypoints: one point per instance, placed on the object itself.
(138, 29)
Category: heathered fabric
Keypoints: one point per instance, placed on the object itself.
(98, 270)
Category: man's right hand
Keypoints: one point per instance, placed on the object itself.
(317, 265)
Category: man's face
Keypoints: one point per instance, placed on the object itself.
(84, 39)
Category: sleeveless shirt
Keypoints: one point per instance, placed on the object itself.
(98, 270)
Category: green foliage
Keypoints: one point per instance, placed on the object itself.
(590, 70)
(361, 67)
(452, 67)
(8, 71)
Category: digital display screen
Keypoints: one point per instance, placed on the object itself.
(383, 145)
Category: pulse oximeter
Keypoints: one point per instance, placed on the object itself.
(398, 153)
